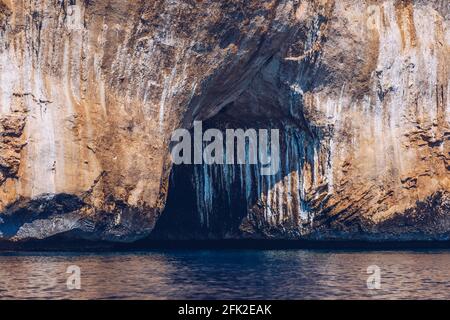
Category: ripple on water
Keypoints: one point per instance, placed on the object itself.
(227, 274)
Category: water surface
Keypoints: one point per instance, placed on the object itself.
(227, 274)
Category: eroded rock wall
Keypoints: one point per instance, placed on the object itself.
(100, 85)
(90, 92)
(361, 94)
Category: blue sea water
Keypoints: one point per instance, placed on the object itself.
(227, 274)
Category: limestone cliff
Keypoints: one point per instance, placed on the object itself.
(90, 92)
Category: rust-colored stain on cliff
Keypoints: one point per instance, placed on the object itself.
(404, 10)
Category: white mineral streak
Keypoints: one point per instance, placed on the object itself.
(8, 78)
(167, 88)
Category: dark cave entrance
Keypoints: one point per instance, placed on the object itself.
(206, 201)
(233, 201)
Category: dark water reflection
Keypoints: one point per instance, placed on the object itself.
(227, 274)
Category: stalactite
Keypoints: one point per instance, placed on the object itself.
(221, 190)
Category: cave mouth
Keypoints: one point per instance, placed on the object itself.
(224, 201)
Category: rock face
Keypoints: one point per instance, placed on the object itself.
(91, 91)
